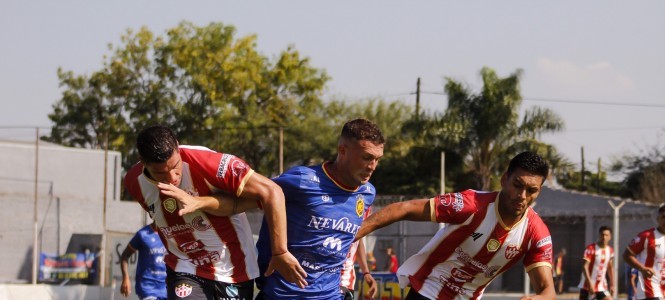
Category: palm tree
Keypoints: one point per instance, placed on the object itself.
(485, 129)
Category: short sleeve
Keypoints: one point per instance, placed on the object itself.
(540, 247)
(453, 208)
(636, 245)
(589, 252)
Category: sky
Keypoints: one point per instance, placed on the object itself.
(598, 64)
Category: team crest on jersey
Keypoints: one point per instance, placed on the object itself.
(360, 205)
(511, 251)
(170, 205)
(493, 245)
(183, 290)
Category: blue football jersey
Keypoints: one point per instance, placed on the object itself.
(150, 267)
(323, 217)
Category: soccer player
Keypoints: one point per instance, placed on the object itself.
(348, 278)
(486, 233)
(598, 264)
(150, 268)
(210, 254)
(325, 206)
(646, 253)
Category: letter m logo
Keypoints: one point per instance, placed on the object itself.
(333, 243)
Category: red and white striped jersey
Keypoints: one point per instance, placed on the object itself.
(208, 246)
(348, 278)
(649, 249)
(599, 260)
(474, 248)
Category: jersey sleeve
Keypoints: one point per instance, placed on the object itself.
(453, 208)
(223, 171)
(589, 252)
(637, 244)
(540, 247)
(290, 183)
(136, 240)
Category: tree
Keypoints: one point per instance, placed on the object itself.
(484, 128)
(644, 173)
(212, 88)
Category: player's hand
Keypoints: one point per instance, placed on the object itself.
(372, 284)
(186, 203)
(612, 290)
(287, 266)
(126, 287)
(647, 272)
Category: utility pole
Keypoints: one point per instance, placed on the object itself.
(582, 172)
(598, 178)
(418, 99)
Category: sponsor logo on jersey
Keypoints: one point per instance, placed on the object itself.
(635, 241)
(179, 229)
(238, 167)
(342, 224)
(460, 275)
(545, 241)
(170, 205)
(333, 243)
(183, 290)
(325, 198)
(476, 235)
(199, 224)
(208, 258)
(493, 245)
(191, 247)
(308, 261)
(512, 251)
(458, 204)
(360, 205)
(223, 165)
(547, 255)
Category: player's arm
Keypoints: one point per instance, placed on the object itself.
(610, 270)
(126, 285)
(587, 277)
(542, 282)
(412, 210)
(629, 258)
(218, 204)
(258, 188)
(361, 256)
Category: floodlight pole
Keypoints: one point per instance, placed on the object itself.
(616, 209)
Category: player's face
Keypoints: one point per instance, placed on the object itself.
(167, 172)
(605, 237)
(359, 160)
(518, 191)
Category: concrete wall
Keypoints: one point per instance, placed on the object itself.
(70, 198)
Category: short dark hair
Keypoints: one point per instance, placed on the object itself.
(362, 129)
(156, 144)
(661, 208)
(603, 228)
(530, 162)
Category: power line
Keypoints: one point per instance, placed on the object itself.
(571, 101)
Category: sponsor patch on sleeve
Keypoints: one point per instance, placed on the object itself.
(544, 242)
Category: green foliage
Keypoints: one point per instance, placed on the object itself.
(644, 174)
(484, 128)
(212, 88)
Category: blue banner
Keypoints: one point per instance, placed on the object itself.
(70, 266)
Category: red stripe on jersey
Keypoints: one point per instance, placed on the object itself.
(225, 231)
(649, 262)
(443, 251)
(592, 262)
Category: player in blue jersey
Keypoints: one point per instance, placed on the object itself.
(325, 205)
(150, 268)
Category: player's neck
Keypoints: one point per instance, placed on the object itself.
(336, 175)
(601, 244)
(661, 230)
